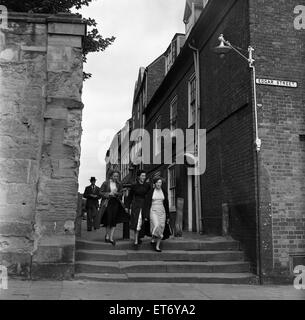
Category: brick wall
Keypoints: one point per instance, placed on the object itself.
(227, 116)
(41, 82)
(280, 52)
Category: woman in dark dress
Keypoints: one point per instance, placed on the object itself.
(135, 201)
(112, 209)
(156, 208)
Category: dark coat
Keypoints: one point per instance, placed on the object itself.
(105, 195)
(136, 200)
(92, 202)
(148, 202)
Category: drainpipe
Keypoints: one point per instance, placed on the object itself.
(197, 127)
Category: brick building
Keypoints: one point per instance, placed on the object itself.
(264, 191)
(148, 81)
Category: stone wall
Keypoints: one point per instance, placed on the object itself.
(40, 131)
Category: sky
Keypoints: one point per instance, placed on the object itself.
(143, 30)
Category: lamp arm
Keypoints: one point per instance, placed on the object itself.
(236, 50)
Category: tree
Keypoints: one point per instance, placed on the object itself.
(93, 41)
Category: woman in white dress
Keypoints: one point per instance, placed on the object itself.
(157, 209)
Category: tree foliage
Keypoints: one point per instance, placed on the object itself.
(93, 41)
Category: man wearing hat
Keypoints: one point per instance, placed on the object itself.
(92, 194)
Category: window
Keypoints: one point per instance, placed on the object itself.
(157, 144)
(173, 114)
(192, 101)
(138, 110)
(172, 187)
(174, 50)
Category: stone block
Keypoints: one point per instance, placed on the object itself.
(18, 263)
(56, 113)
(55, 271)
(63, 40)
(59, 59)
(67, 29)
(68, 86)
(67, 103)
(21, 194)
(15, 244)
(18, 212)
(13, 228)
(14, 171)
(51, 254)
(34, 48)
(9, 55)
(19, 147)
(63, 168)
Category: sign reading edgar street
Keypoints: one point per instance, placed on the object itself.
(277, 83)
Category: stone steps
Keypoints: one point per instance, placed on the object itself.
(177, 245)
(223, 278)
(149, 255)
(206, 260)
(160, 267)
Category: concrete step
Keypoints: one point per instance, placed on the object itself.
(149, 255)
(224, 278)
(160, 267)
(176, 244)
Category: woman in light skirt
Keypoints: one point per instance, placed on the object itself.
(157, 209)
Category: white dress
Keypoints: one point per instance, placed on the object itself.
(157, 214)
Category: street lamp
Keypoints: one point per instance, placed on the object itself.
(225, 47)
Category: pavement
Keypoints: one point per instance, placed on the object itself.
(87, 290)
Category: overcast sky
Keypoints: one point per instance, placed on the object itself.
(143, 30)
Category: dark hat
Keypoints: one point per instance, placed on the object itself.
(92, 179)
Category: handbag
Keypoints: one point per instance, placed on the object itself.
(100, 213)
(167, 231)
(145, 230)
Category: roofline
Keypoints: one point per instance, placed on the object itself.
(186, 51)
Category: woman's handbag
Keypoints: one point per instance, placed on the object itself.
(167, 231)
(100, 213)
(145, 231)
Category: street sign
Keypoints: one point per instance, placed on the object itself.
(277, 83)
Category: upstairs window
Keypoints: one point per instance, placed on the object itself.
(192, 101)
(157, 145)
(172, 187)
(173, 114)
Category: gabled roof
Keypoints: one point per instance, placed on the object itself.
(188, 8)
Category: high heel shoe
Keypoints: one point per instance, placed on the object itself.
(112, 242)
(158, 250)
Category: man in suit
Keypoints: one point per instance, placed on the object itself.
(92, 194)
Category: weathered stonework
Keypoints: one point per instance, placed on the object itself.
(40, 131)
